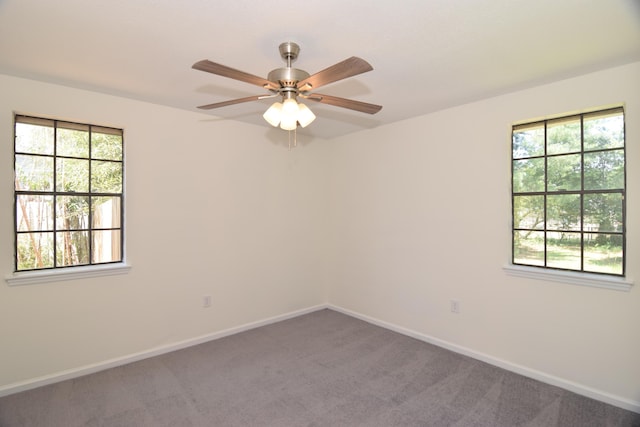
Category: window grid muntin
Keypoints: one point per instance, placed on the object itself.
(54, 193)
(582, 192)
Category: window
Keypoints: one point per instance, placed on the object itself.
(568, 193)
(68, 194)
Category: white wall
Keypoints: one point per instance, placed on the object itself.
(421, 215)
(212, 208)
(390, 223)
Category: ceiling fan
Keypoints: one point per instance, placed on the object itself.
(290, 83)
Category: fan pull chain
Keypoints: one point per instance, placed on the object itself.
(295, 138)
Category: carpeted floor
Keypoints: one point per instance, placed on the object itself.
(320, 369)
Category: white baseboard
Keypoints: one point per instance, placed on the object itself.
(119, 361)
(509, 366)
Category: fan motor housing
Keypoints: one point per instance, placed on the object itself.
(287, 77)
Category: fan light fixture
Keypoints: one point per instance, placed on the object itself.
(289, 83)
(288, 114)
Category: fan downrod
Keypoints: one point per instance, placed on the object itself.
(288, 77)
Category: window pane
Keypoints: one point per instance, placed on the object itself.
(563, 136)
(604, 170)
(72, 175)
(106, 246)
(564, 173)
(106, 212)
(603, 212)
(528, 248)
(72, 248)
(528, 212)
(563, 212)
(603, 253)
(35, 250)
(106, 177)
(602, 131)
(72, 140)
(106, 146)
(528, 175)
(563, 250)
(528, 141)
(34, 173)
(34, 213)
(58, 225)
(36, 138)
(72, 212)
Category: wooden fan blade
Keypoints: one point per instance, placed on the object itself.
(232, 73)
(230, 102)
(347, 68)
(345, 103)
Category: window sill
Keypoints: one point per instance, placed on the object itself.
(47, 276)
(572, 278)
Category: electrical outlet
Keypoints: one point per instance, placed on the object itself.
(455, 306)
(206, 301)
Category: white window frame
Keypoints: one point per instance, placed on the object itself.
(72, 272)
(580, 278)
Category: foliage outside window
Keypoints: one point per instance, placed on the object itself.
(568, 193)
(68, 194)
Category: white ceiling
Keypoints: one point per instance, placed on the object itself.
(427, 54)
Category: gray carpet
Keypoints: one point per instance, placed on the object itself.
(320, 369)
